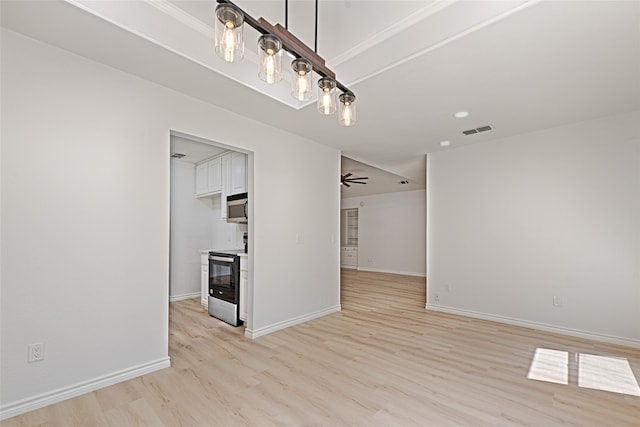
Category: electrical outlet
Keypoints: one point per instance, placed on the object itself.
(436, 298)
(369, 259)
(35, 352)
(557, 301)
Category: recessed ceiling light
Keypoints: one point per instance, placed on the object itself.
(445, 143)
(461, 114)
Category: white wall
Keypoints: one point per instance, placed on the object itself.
(192, 224)
(225, 235)
(391, 232)
(191, 230)
(85, 221)
(298, 225)
(514, 222)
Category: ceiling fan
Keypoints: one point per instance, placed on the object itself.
(344, 179)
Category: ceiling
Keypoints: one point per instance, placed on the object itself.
(193, 151)
(379, 181)
(519, 66)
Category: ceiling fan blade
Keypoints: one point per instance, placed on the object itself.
(345, 180)
(356, 179)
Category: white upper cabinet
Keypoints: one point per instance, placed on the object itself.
(226, 184)
(234, 177)
(238, 173)
(208, 177)
(225, 175)
(201, 179)
(214, 175)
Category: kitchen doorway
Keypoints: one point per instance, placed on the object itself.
(198, 222)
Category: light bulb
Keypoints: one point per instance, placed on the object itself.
(270, 56)
(326, 101)
(229, 42)
(347, 114)
(326, 96)
(301, 81)
(301, 86)
(269, 67)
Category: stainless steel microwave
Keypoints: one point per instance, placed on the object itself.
(237, 208)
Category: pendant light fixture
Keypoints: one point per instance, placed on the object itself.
(270, 57)
(326, 96)
(274, 39)
(301, 81)
(229, 44)
(347, 109)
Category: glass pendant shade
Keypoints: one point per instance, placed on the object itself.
(326, 96)
(347, 109)
(229, 43)
(301, 81)
(270, 59)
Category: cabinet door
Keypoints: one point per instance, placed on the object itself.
(238, 173)
(226, 184)
(204, 284)
(244, 279)
(201, 179)
(214, 175)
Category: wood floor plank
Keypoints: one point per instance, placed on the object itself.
(382, 361)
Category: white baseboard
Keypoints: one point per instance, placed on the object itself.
(539, 326)
(45, 399)
(291, 322)
(174, 298)
(382, 270)
(349, 267)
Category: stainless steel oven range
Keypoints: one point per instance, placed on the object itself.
(224, 286)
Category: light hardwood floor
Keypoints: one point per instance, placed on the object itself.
(383, 361)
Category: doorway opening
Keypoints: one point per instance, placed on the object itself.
(383, 223)
(203, 173)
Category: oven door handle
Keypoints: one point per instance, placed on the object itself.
(219, 258)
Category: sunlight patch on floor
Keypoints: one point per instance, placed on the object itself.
(606, 373)
(550, 366)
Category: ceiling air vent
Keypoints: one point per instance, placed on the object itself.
(177, 155)
(478, 130)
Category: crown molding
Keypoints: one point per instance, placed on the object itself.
(392, 30)
(445, 41)
(183, 17)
